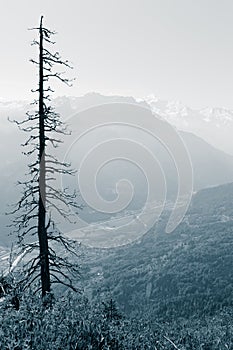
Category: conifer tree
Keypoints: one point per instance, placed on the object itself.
(40, 195)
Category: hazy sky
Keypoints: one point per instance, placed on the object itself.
(176, 49)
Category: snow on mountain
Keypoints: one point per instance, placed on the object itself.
(214, 125)
(6, 105)
(218, 115)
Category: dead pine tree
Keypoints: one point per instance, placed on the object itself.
(40, 195)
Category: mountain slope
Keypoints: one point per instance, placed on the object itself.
(214, 125)
(211, 166)
(187, 273)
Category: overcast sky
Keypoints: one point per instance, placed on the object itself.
(175, 49)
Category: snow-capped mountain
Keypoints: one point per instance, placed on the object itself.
(214, 125)
(12, 105)
(211, 166)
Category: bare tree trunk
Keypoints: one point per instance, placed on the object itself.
(42, 231)
(38, 191)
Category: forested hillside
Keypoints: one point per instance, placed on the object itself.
(183, 274)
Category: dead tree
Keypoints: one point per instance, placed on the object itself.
(32, 212)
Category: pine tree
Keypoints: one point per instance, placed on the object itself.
(111, 311)
(40, 195)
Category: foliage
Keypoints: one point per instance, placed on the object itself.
(75, 324)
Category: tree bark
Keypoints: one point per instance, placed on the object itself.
(42, 231)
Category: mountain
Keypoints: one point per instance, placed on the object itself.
(188, 273)
(214, 125)
(211, 166)
(185, 274)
